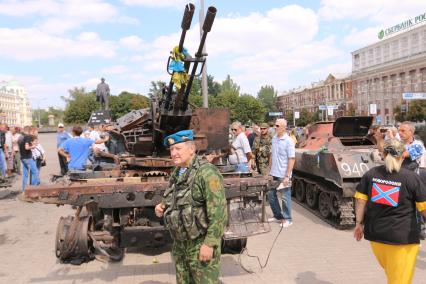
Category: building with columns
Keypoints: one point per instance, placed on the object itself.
(381, 72)
(14, 105)
(335, 90)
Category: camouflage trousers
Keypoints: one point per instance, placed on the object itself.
(189, 270)
(263, 169)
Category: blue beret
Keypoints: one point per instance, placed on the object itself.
(178, 137)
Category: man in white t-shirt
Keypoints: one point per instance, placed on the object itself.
(241, 149)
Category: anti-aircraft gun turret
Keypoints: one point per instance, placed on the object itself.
(173, 114)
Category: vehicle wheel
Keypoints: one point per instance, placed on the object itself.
(324, 204)
(311, 196)
(234, 246)
(299, 189)
(72, 242)
(334, 204)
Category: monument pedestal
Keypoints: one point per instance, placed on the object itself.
(100, 117)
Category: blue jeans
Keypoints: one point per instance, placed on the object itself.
(3, 165)
(242, 168)
(29, 166)
(285, 214)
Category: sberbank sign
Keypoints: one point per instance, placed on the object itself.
(402, 26)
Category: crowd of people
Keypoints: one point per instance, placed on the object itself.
(269, 151)
(74, 150)
(21, 153)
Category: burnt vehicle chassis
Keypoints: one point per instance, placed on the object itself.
(114, 213)
(329, 165)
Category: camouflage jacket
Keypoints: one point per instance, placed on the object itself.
(262, 149)
(196, 204)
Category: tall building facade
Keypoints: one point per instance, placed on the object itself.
(335, 91)
(14, 105)
(381, 72)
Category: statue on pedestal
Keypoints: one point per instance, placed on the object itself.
(102, 94)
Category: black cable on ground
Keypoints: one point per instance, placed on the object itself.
(255, 256)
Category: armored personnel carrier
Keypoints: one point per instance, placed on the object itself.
(115, 208)
(329, 165)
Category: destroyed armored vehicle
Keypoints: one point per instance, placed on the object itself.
(115, 208)
(329, 165)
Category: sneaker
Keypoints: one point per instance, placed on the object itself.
(286, 224)
(273, 220)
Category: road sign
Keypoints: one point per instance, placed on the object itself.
(296, 115)
(373, 109)
(276, 113)
(414, 96)
(324, 107)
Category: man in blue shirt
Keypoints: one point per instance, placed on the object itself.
(282, 162)
(77, 149)
(61, 137)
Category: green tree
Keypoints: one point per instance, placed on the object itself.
(268, 96)
(229, 86)
(40, 114)
(227, 97)
(44, 115)
(248, 109)
(195, 97)
(57, 113)
(416, 111)
(306, 117)
(317, 116)
(79, 105)
(399, 115)
(289, 117)
(155, 91)
(214, 87)
(126, 102)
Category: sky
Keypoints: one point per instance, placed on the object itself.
(51, 46)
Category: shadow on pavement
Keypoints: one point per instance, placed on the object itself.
(114, 271)
(106, 274)
(151, 251)
(153, 282)
(8, 194)
(308, 215)
(5, 218)
(309, 277)
(230, 266)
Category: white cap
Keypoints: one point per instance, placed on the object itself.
(60, 125)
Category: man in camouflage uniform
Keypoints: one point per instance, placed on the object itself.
(262, 150)
(194, 211)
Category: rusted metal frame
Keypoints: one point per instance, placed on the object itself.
(121, 194)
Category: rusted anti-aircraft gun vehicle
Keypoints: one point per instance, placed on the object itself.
(330, 164)
(115, 208)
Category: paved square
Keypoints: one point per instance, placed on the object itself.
(308, 252)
